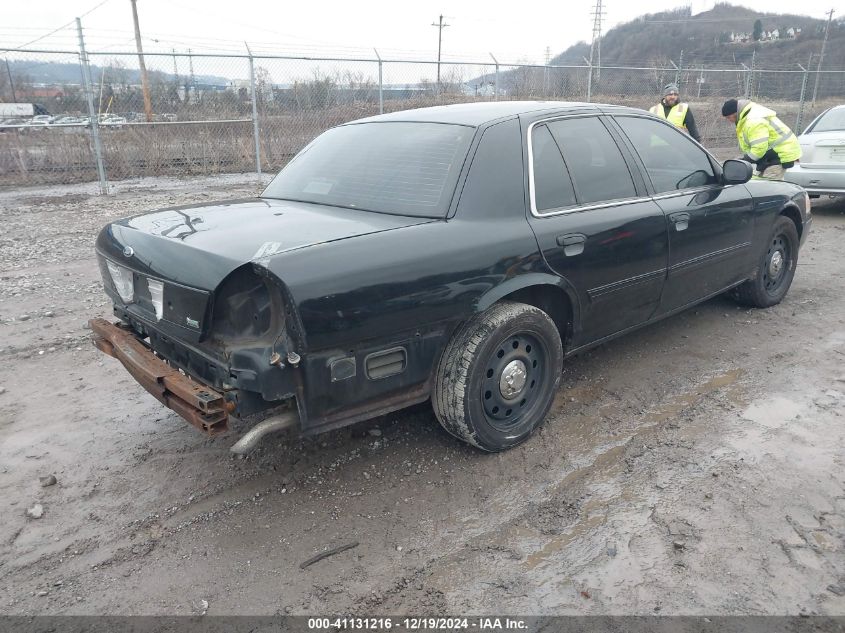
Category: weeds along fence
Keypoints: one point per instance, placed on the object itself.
(211, 114)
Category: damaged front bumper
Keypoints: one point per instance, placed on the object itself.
(200, 405)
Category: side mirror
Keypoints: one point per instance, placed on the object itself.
(736, 172)
(698, 178)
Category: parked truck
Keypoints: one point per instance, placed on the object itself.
(22, 110)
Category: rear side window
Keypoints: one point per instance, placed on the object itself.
(831, 121)
(495, 186)
(598, 168)
(672, 160)
(552, 184)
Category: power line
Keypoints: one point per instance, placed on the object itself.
(38, 39)
(64, 26)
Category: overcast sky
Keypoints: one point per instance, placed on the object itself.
(513, 31)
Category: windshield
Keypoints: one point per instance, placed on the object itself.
(830, 121)
(389, 167)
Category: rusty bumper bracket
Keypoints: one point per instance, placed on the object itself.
(205, 408)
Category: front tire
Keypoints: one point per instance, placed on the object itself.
(498, 376)
(775, 268)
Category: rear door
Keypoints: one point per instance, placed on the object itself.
(710, 225)
(594, 224)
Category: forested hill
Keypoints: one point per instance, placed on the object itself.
(723, 36)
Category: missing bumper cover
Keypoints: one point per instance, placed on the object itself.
(203, 407)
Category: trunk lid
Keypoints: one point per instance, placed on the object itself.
(199, 245)
(823, 149)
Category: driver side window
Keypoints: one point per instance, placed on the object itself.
(673, 162)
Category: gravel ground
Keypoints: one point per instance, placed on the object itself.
(693, 467)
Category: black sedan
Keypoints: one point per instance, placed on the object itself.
(457, 253)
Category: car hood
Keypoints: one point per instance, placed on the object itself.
(198, 245)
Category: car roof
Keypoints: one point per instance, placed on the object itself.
(476, 114)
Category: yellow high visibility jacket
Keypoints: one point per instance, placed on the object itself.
(677, 115)
(758, 129)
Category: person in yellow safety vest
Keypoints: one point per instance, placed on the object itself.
(763, 138)
(677, 113)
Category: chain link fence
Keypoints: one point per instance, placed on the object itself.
(210, 114)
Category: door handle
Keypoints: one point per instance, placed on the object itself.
(573, 243)
(681, 221)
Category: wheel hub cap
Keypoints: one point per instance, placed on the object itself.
(775, 264)
(513, 379)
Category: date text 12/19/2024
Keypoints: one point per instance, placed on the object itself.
(417, 624)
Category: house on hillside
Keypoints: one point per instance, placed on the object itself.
(766, 36)
(740, 38)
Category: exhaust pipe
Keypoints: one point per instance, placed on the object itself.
(272, 424)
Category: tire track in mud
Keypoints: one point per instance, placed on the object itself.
(566, 508)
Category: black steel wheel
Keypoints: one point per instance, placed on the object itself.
(510, 383)
(498, 376)
(776, 264)
(775, 268)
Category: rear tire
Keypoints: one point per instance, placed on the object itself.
(775, 268)
(498, 376)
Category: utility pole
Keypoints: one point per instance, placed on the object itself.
(94, 116)
(11, 81)
(145, 84)
(595, 47)
(821, 55)
(440, 26)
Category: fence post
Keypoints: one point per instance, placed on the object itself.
(380, 85)
(94, 116)
(747, 94)
(546, 81)
(589, 78)
(803, 94)
(753, 68)
(496, 95)
(254, 111)
(678, 70)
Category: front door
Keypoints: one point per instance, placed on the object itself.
(710, 225)
(594, 227)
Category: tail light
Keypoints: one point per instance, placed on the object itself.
(123, 281)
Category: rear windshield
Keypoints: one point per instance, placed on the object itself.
(389, 167)
(830, 121)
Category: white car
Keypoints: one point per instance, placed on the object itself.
(821, 170)
(112, 119)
